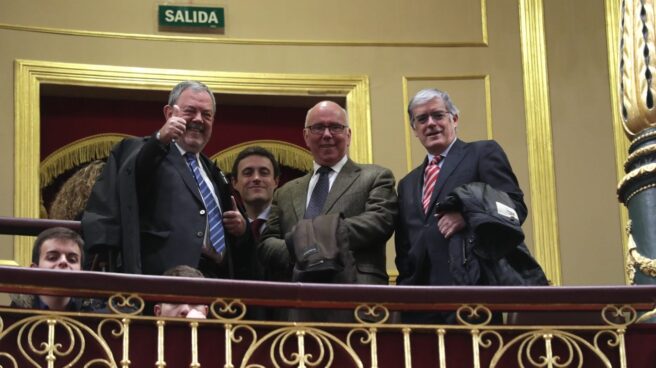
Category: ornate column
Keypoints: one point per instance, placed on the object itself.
(637, 190)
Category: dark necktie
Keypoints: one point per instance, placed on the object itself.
(430, 177)
(256, 227)
(214, 221)
(319, 194)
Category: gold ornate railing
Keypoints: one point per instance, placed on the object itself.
(494, 327)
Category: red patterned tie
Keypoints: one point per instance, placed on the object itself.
(256, 227)
(430, 177)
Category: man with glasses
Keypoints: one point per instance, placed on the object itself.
(423, 256)
(363, 194)
(160, 202)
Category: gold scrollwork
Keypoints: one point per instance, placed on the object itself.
(52, 338)
(485, 339)
(313, 348)
(10, 358)
(131, 304)
(619, 316)
(117, 331)
(636, 260)
(225, 310)
(121, 329)
(371, 314)
(368, 338)
(233, 336)
(536, 348)
(478, 315)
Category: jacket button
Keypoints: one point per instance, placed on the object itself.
(202, 212)
(199, 234)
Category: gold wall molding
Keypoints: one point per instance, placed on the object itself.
(406, 99)
(619, 135)
(30, 75)
(540, 141)
(483, 42)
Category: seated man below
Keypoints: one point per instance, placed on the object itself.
(57, 248)
(182, 310)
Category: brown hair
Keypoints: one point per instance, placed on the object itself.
(183, 271)
(61, 233)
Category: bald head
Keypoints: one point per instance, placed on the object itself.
(326, 133)
(326, 106)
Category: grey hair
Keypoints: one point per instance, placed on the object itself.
(195, 86)
(307, 115)
(428, 94)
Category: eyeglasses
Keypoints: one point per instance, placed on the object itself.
(320, 128)
(435, 115)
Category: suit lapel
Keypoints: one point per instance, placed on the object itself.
(346, 177)
(299, 195)
(417, 189)
(452, 160)
(180, 164)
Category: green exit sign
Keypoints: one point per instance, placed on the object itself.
(191, 19)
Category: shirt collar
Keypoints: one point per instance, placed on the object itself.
(336, 168)
(263, 215)
(443, 154)
(182, 151)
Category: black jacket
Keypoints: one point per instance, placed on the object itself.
(491, 249)
(146, 210)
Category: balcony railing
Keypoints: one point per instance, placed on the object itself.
(494, 326)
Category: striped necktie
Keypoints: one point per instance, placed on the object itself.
(214, 220)
(430, 177)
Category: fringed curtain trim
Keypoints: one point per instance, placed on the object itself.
(287, 154)
(76, 153)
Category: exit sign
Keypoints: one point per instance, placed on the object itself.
(191, 19)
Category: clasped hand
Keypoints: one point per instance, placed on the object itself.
(449, 223)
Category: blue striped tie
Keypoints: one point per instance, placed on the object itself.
(214, 221)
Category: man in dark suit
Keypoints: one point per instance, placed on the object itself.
(422, 235)
(160, 202)
(364, 194)
(255, 175)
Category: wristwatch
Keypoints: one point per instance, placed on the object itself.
(157, 136)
